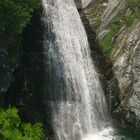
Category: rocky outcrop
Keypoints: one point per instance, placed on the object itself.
(124, 54)
(82, 3)
(126, 66)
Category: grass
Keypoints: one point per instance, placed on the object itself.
(134, 6)
(96, 24)
(128, 20)
(107, 41)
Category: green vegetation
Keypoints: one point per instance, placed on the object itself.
(137, 13)
(107, 41)
(11, 127)
(128, 20)
(96, 24)
(15, 14)
(133, 4)
(125, 18)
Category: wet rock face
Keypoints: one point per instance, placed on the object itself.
(135, 99)
(5, 78)
(126, 65)
(125, 57)
(82, 3)
(9, 58)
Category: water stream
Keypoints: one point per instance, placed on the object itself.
(74, 96)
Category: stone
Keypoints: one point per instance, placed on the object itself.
(126, 66)
(82, 3)
(104, 4)
(125, 58)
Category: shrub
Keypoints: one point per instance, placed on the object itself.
(15, 14)
(133, 3)
(11, 127)
(107, 41)
(97, 24)
(128, 20)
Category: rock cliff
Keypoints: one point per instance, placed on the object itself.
(117, 25)
(82, 3)
(9, 59)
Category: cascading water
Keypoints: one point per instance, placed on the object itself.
(73, 95)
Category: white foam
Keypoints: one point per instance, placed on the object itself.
(105, 134)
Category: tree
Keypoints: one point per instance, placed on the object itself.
(15, 14)
(11, 127)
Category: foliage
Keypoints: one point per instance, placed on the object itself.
(15, 14)
(115, 25)
(133, 4)
(137, 13)
(107, 41)
(96, 24)
(11, 127)
(128, 20)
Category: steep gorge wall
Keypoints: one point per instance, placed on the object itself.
(126, 66)
(117, 25)
(14, 17)
(123, 51)
(9, 60)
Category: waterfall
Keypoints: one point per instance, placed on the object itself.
(73, 94)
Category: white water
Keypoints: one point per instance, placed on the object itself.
(105, 134)
(73, 96)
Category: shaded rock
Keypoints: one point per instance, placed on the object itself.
(82, 3)
(9, 58)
